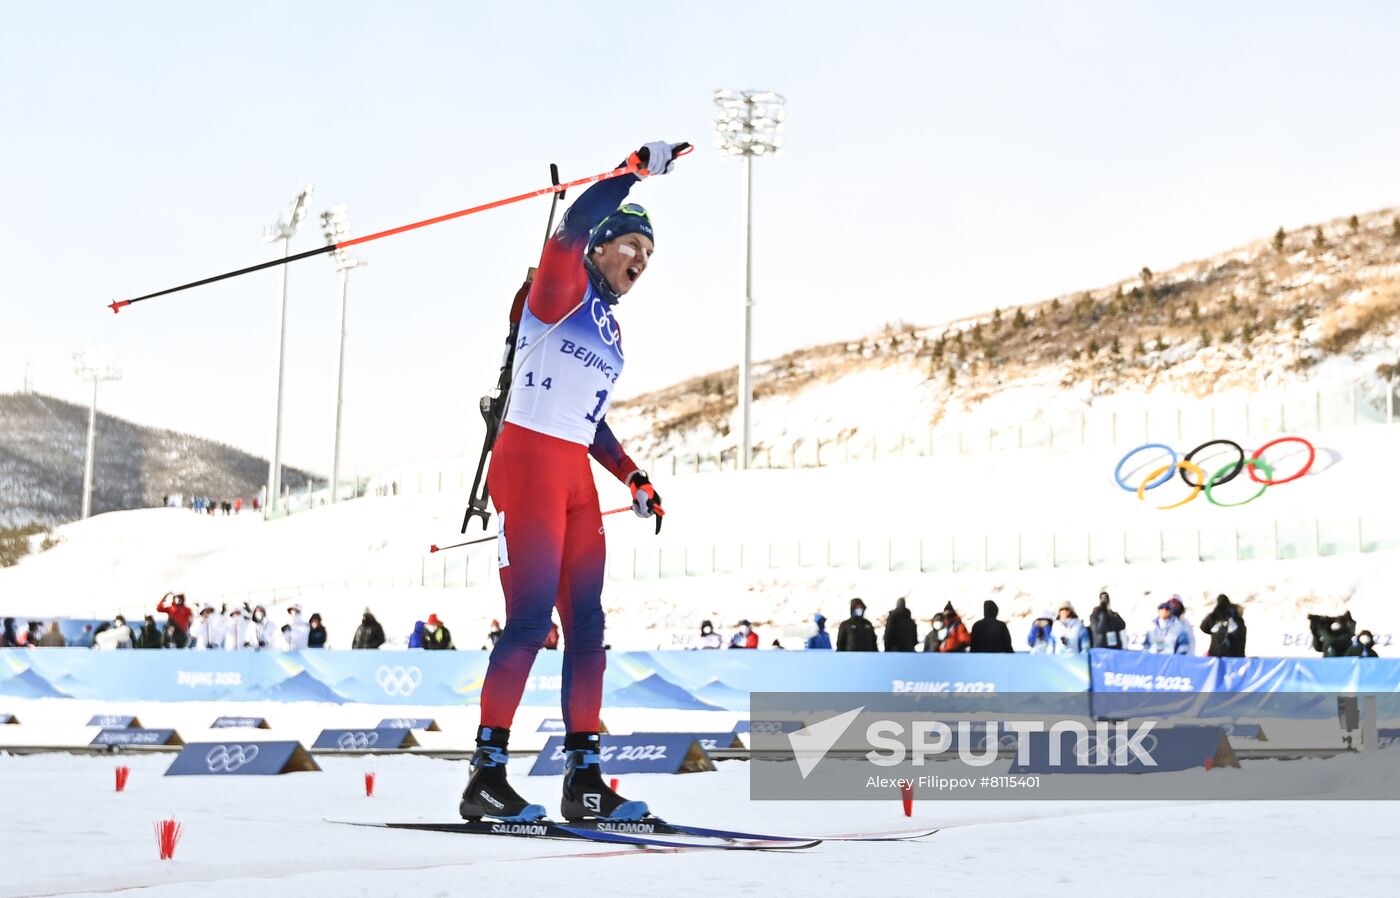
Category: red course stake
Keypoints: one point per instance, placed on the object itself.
(122, 773)
(369, 785)
(168, 833)
(906, 791)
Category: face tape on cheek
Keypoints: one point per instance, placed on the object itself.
(626, 250)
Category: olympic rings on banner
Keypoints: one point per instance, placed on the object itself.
(1118, 471)
(1252, 463)
(1214, 482)
(1312, 457)
(1238, 466)
(1169, 470)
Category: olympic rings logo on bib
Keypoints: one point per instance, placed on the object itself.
(1253, 464)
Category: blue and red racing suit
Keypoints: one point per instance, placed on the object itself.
(568, 357)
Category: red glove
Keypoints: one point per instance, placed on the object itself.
(646, 501)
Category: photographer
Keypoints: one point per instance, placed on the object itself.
(1365, 646)
(1332, 636)
(1225, 626)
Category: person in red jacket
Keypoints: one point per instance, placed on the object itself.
(177, 611)
(745, 638)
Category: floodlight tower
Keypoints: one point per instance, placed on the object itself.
(749, 124)
(284, 231)
(94, 363)
(335, 225)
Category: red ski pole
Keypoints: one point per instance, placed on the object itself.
(633, 166)
(486, 539)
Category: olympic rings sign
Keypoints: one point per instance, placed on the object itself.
(357, 740)
(228, 758)
(398, 680)
(1251, 464)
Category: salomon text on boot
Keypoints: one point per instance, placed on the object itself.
(586, 796)
(488, 793)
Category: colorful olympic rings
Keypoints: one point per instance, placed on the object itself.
(1169, 470)
(1251, 464)
(1312, 457)
(1227, 473)
(1237, 466)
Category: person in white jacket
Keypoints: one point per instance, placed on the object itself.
(268, 634)
(207, 632)
(239, 634)
(1069, 636)
(118, 636)
(299, 632)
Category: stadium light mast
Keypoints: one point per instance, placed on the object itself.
(284, 231)
(749, 124)
(335, 226)
(94, 363)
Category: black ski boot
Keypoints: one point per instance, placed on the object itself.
(488, 794)
(585, 794)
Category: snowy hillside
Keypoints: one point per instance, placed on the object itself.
(43, 445)
(1310, 309)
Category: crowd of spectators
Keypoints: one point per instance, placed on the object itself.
(210, 505)
(1062, 632)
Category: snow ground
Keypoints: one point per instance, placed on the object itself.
(68, 833)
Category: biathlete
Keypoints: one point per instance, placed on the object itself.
(568, 357)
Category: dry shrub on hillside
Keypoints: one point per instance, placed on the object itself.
(1347, 323)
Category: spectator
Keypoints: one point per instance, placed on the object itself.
(709, 639)
(237, 504)
(744, 637)
(936, 631)
(901, 634)
(957, 638)
(53, 637)
(1365, 646)
(415, 639)
(118, 637)
(1041, 638)
(1105, 626)
(296, 631)
(32, 635)
(1225, 624)
(551, 639)
(1332, 636)
(494, 635)
(149, 636)
(176, 612)
(268, 636)
(1070, 635)
(9, 638)
(208, 631)
(856, 634)
(370, 635)
(172, 637)
(239, 632)
(84, 639)
(821, 639)
(989, 634)
(316, 633)
(436, 635)
(1179, 612)
(1168, 635)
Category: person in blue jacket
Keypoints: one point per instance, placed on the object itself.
(1041, 638)
(415, 639)
(1167, 635)
(821, 639)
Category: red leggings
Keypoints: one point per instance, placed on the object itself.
(552, 551)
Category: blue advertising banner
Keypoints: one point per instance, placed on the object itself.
(409, 723)
(634, 753)
(112, 720)
(364, 740)
(136, 736)
(1124, 750)
(241, 759)
(246, 723)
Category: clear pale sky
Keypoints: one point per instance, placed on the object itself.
(942, 159)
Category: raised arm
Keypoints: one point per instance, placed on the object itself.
(562, 279)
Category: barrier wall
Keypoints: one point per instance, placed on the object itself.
(674, 680)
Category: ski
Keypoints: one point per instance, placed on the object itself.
(549, 829)
(657, 826)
